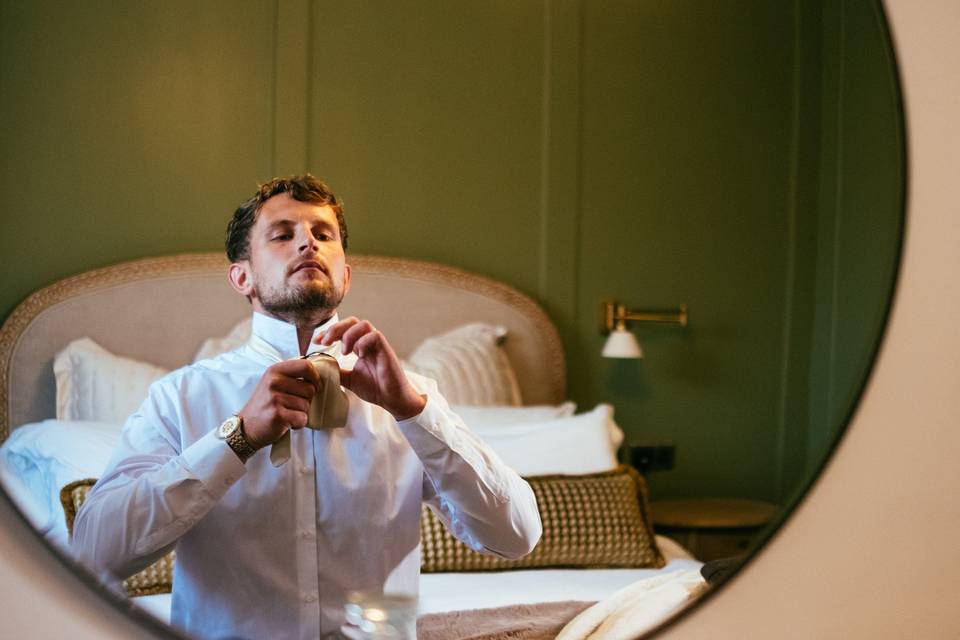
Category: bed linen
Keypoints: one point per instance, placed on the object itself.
(444, 592)
(542, 621)
(35, 453)
(636, 608)
(629, 613)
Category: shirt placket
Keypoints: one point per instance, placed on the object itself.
(305, 491)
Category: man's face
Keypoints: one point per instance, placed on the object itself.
(297, 269)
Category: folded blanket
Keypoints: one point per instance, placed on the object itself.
(542, 621)
(636, 608)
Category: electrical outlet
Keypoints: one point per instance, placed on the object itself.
(657, 457)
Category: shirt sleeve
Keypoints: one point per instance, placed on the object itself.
(152, 492)
(481, 500)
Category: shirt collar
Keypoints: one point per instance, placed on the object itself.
(282, 336)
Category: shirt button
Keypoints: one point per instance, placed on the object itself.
(309, 597)
(304, 469)
(306, 535)
(228, 480)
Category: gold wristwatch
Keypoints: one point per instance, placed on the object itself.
(232, 431)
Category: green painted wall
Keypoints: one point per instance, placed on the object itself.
(862, 192)
(656, 152)
(849, 214)
(687, 164)
(127, 130)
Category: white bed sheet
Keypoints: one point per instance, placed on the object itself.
(441, 592)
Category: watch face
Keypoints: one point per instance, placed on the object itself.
(228, 427)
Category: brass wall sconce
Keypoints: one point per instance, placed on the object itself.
(621, 343)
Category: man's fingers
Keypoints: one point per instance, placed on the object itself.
(289, 402)
(334, 333)
(303, 389)
(294, 419)
(359, 330)
(366, 342)
(294, 369)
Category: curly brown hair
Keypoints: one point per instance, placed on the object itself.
(303, 188)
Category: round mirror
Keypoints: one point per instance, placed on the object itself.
(745, 160)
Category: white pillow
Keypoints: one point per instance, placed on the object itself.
(469, 366)
(574, 445)
(94, 384)
(45, 456)
(238, 336)
(482, 418)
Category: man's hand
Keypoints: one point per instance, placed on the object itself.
(281, 401)
(377, 376)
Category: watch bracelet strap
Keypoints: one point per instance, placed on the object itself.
(240, 445)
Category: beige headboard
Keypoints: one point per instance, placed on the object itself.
(159, 310)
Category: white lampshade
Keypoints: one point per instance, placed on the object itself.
(622, 344)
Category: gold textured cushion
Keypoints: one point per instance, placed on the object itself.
(596, 520)
(157, 578)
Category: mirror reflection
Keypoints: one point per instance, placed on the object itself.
(746, 161)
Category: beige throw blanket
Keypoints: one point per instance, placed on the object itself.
(637, 608)
(541, 621)
(625, 615)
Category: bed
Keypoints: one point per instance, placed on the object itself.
(75, 354)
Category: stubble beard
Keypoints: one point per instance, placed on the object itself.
(300, 305)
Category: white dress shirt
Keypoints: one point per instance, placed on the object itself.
(272, 552)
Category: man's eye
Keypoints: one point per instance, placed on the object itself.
(322, 236)
(282, 236)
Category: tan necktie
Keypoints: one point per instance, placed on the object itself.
(329, 407)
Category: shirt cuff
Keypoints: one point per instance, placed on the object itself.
(429, 431)
(213, 462)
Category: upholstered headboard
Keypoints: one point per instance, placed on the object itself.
(159, 310)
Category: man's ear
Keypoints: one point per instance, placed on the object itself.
(346, 278)
(240, 278)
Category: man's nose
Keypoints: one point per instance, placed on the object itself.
(308, 242)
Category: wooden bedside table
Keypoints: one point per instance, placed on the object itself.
(712, 528)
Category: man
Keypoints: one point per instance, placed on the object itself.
(272, 551)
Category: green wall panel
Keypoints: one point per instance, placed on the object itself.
(687, 160)
(427, 116)
(803, 220)
(861, 203)
(129, 129)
